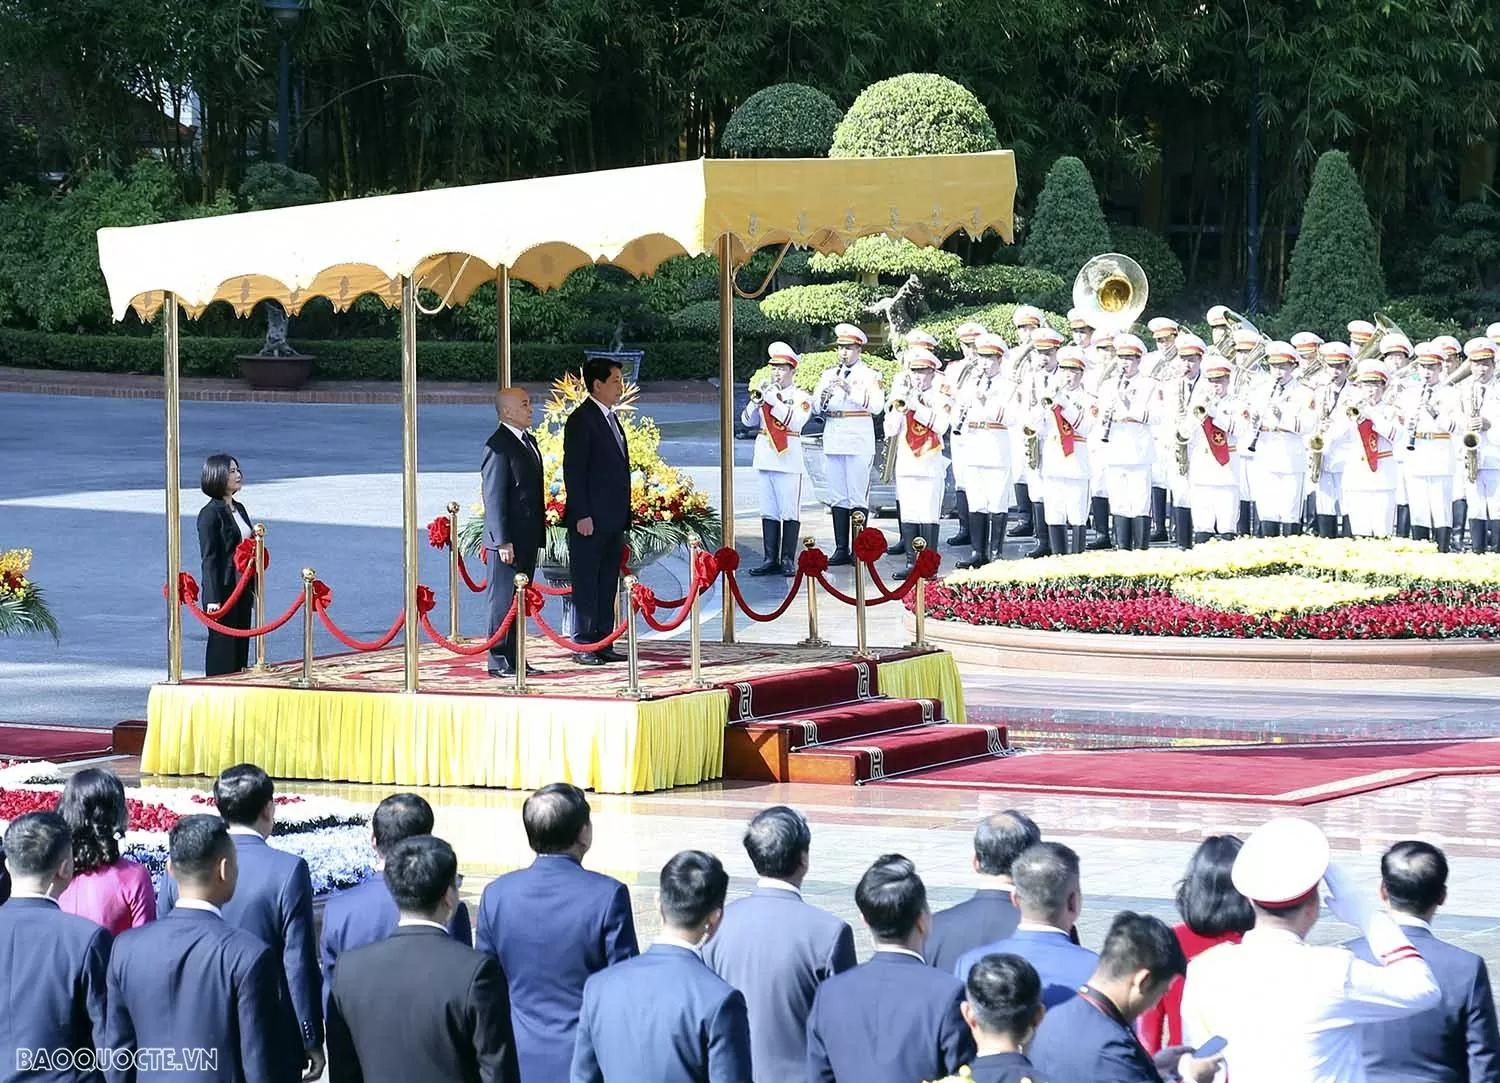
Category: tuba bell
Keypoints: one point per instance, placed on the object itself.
(1111, 291)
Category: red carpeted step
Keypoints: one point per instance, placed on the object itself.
(881, 755)
(58, 744)
(861, 719)
(801, 690)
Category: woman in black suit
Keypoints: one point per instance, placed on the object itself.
(222, 524)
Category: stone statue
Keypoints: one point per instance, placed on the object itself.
(276, 332)
(900, 311)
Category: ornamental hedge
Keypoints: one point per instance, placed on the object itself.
(1335, 274)
(1164, 275)
(891, 256)
(999, 319)
(1068, 228)
(914, 114)
(820, 305)
(786, 120)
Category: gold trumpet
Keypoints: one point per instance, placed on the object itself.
(896, 406)
(1353, 412)
(757, 395)
(1200, 411)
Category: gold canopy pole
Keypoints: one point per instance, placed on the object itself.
(173, 424)
(726, 418)
(412, 645)
(502, 323)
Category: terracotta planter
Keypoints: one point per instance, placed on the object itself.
(275, 373)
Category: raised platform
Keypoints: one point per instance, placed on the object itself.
(465, 728)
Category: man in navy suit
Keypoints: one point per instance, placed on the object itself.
(272, 902)
(1003, 1007)
(195, 984)
(1092, 1036)
(1048, 894)
(52, 964)
(895, 1019)
(991, 914)
(366, 913)
(550, 926)
(665, 1016)
(515, 518)
(777, 949)
(1456, 1041)
(596, 475)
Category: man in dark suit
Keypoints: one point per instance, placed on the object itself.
(53, 964)
(596, 475)
(1050, 899)
(895, 1019)
(664, 1016)
(991, 914)
(367, 913)
(195, 985)
(1003, 1007)
(1456, 1041)
(1092, 1035)
(777, 949)
(272, 901)
(515, 517)
(418, 1005)
(550, 926)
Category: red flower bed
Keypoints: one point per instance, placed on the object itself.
(143, 816)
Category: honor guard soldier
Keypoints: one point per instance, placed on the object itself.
(1099, 362)
(917, 424)
(1209, 434)
(1396, 351)
(1330, 441)
(1287, 1009)
(985, 412)
(1079, 328)
(1244, 341)
(1306, 344)
(1155, 366)
(1370, 471)
(1126, 444)
(1480, 446)
(1219, 332)
(954, 381)
(915, 337)
(1277, 412)
(1361, 334)
(1046, 376)
(1453, 359)
(1029, 374)
(1175, 394)
(1431, 411)
(848, 396)
(1062, 425)
(781, 408)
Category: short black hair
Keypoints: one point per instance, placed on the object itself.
(597, 370)
(776, 840)
(554, 817)
(1045, 875)
(242, 793)
(1141, 942)
(1207, 899)
(400, 816)
(1001, 838)
(37, 843)
(1415, 875)
(1004, 991)
(693, 886)
(891, 897)
(196, 844)
(419, 871)
(93, 803)
(215, 481)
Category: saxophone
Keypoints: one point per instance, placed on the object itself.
(1471, 438)
(1184, 439)
(1317, 444)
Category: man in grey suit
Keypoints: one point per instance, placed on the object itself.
(991, 914)
(777, 949)
(1458, 1040)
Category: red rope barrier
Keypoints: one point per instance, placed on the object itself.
(574, 646)
(924, 567)
(480, 648)
(359, 644)
(464, 571)
(244, 633)
(791, 596)
(834, 591)
(553, 592)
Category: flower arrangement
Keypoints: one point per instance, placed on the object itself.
(666, 507)
(1285, 588)
(23, 610)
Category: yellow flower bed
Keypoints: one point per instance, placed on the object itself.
(1277, 596)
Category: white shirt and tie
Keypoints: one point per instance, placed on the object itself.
(614, 425)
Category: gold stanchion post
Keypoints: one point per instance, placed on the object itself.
(521, 584)
(813, 639)
(172, 423)
(411, 647)
(308, 578)
(453, 572)
(632, 655)
(695, 627)
(260, 596)
(861, 644)
(726, 410)
(920, 643)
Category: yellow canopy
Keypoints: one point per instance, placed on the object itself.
(451, 240)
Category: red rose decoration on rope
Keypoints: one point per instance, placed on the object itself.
(187, 589)
(322, 595)
(535, 600)
(705, 569)
(869, 545)
(727, 559)
(439, 533)
(426, 600)
(927, 564)
(244, 556)
(812, 563)
(644, 599)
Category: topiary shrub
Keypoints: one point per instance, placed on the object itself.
(1163, 269)
(997, 282)
(815, 364)
(786, 120)
(268, 185)
(1068, 228)
(891, 256)
(914, 114)
(999, 319)
(820, 305)
(1335, 274)
(701, 320)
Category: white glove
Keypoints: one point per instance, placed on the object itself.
(1344, 900)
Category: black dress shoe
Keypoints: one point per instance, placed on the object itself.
(608, 655)
(503, 671)
(584, 659)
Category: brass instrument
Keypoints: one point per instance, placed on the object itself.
(1164, 363)
(1033, 447)
(897, 405)
(1255, 359)
(1317, 443)
(1471, 438)
(1459, 375)
(1200, 411)
(1111, 290)
(757, 395)
(1354, 412)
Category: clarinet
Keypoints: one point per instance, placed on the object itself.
(1109, 415)
(1411, 429)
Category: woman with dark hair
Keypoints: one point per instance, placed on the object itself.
(222, 524)
(106, 888)
(1213, 912)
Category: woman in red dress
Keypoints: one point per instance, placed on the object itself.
(1213, 912)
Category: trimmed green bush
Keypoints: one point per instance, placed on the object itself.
(892, 256)
(999, 319)
(815, 364)
(914, 114)
(1164, 275)
(820, 305)
(1335, 273)
(268, 185)
(701, 320)
(997, 282)
(1068, 228)
(785, 120)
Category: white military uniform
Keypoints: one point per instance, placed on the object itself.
(1329, 405)
(1280, 471)
(1126, 443)
(921, 466)
(1161, 329)
(1064, 429)
(1484, 492)
(952, 382)
(1431, 420)
(1370, 466)
(779, 471)
(1214, 486)
(849, 432)
(988, 407)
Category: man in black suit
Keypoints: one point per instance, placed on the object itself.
(514, 517)
(273, 902)
(991, 914)
(1003, 1006)
(596, 475)
(55, 963)
(192, 984)
(419, 1005)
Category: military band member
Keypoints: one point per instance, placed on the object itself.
(1244, 342)
(986, 411)
(1125, 443)
(1028, 483)
(1306, 344)
(1062, 423)
(1329, 405)
(1432, 418)
(1079, 328)
(1277, 411)
(781, 412)
(1361, 335)
(848, 396)
(917, 424)
(1396, 351)
(1165, 332)
(1099, 362)
(1044, 380)
(927, 341)
(955, 379)
(1220, 335)
(1211, 431)
(1480, 401)
(1370, 471)
(1453, 359)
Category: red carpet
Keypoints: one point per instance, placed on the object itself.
(58, 744)
(1265, 774)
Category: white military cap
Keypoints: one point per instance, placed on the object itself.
(1394, 343)
(1448, 344)
(846, 334)
(1429, 353)
(1336, 353)
(990, 344)
(1216, 368)
(1361, 330)
(1479, 349)
(968, 332)
(782, 354)
(1218, 316)
(1071, 357)
(1492, 332)
(1281, 862)
(1306, 342)
(1373, 370)
(1026, 315)
(1187, 342)
(1047, 338)
(920, 357)
(918, 337)
(1129, 344)
(1162, 326)
(1281, 353)
(1245, 339)
(1076, 318)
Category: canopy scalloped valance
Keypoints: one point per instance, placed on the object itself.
(451, 240)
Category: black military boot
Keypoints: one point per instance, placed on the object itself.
(1269, 529)
(1025, 525)
(1057, 542)
(1201, 537)
(899, 549)
(1492, 535)
(1477, 535)
(929, 532)
(840, 557)
(1328, 526)
(789, 529)
(1182, 526)
(770, 535)
(1403, 520)
(1246, 511)
(962, 537)
(1141, 536)
(1444, 535)
(1122, 527)
(1157, 520)
(979, 534)
(1420, 533)
(1044, 543)
(997, 537)
(1099, 513)
(1077, 535)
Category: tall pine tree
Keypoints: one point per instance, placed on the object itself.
(1336, 274)
(1068, 228)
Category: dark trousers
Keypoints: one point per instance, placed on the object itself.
(499, 592)
(230, 654)
(594, 565)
